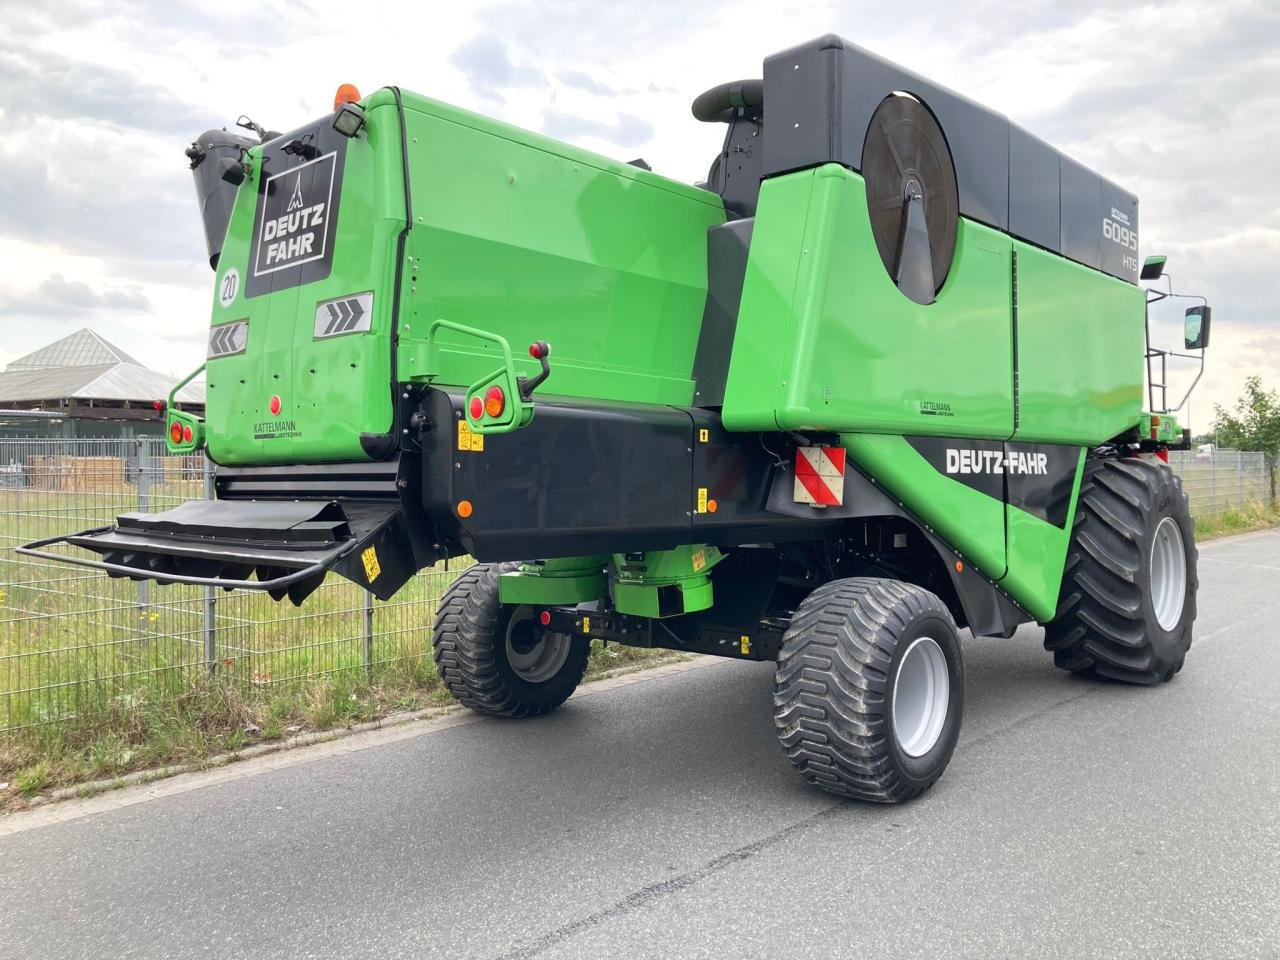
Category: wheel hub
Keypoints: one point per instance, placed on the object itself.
(921, 693)
(534, 655)
(1168, 569)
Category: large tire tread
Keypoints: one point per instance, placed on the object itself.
(467, 633)
(1102, 625)
(831, 685)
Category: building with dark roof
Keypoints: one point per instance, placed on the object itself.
(83, 385)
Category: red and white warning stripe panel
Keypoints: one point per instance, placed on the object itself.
(820, 476)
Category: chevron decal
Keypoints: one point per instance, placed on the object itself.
(353, 314)
(228, 339)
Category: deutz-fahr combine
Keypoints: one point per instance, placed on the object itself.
(878, 379)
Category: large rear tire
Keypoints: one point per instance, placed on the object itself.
(869, 689)
(495, 658)
(1128, 597)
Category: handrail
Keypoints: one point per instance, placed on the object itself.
(161, 576)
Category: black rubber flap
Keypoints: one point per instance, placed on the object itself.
(906, 162)
(298, 524)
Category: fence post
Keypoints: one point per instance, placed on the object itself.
(368, 634)
(1240, 479)
(143, 449)
(210, 593)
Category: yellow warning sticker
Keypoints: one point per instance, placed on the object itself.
(704, 435)
(702, 499)
(699, 560)
(468, 439)
(586, 624)
(371, 566)
(744, 644)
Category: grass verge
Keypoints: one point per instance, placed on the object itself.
(1247, 519)
(213, 718)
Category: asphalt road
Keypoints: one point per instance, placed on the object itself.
(660, 819)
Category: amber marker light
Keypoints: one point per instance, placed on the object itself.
(347, 93)
(495, 401)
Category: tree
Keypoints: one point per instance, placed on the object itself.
(1255, 425)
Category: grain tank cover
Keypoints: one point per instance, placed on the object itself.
(819, 99)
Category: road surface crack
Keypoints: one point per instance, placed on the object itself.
(672, 885)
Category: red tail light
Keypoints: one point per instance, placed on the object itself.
(187, 435)
(495, 401)
(477, 408)
(175, 432)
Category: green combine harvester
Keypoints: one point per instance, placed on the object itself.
(880, 378)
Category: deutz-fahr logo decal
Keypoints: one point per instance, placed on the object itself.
(296, 206)
(962, 460)
(1035, 477)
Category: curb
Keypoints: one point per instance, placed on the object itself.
(88, 799)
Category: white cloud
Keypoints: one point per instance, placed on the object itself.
(1178, 101)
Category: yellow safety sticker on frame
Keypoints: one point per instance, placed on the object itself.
(372, 569)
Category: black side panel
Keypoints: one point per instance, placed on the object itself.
(296, 217)
(1081, 214)
(575, 481)
(601, 478)
(819, 98)
(1042, 487)
(727, 248)
(737, 171)
(1120, 248)
(1034, 190)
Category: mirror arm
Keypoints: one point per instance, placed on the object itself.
(1199, 373)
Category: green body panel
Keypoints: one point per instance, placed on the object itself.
(512, 233)
(332, 390)
(826, 341)
(533, 239)
(1037, 552)
(1021, 552)
(688, 568)
(1080, 347)
(566, 580)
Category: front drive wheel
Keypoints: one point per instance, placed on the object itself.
(496, 658)
(1128, 597)
(869, 690)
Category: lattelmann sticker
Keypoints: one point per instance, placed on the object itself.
(295, 210)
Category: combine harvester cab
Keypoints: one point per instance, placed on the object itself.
(879, 379)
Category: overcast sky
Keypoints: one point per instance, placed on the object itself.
(1177, 101)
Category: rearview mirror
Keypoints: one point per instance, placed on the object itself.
(1196, 329)
(1153, 267)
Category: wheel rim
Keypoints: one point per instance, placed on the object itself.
(534, 655)
(921, 692)
(1168, 573)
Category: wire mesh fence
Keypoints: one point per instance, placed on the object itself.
(1220, 480)
(73, 640)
